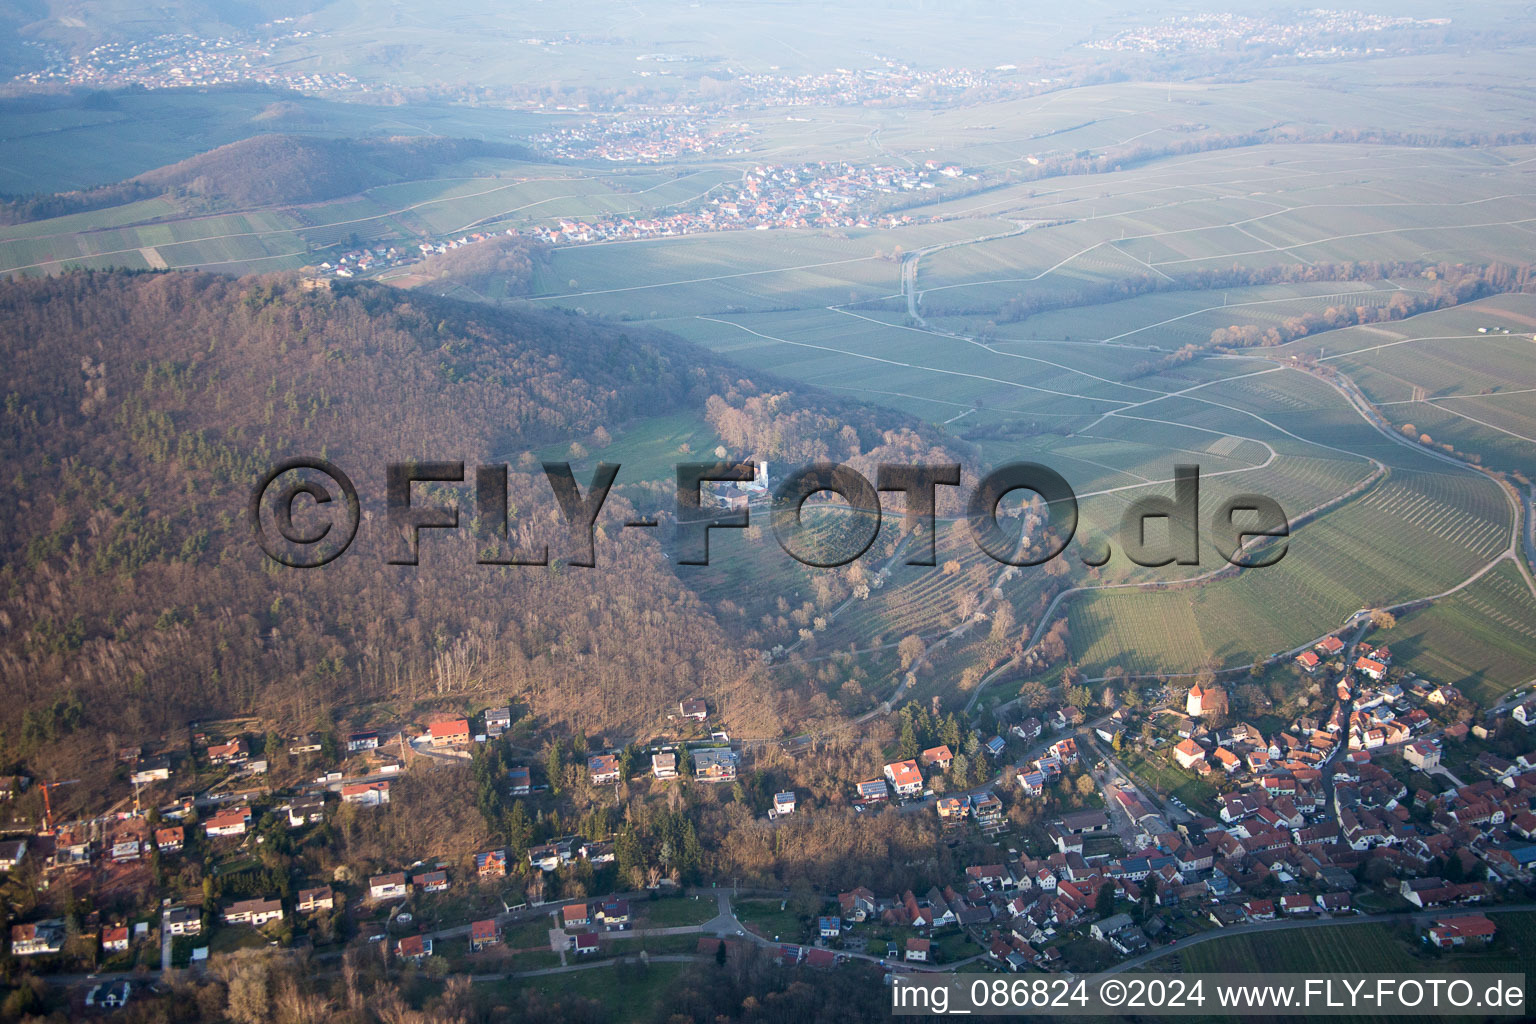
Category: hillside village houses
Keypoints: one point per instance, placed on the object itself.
(1306, 819)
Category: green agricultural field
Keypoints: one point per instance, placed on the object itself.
(1410, 537)
(1482, 640)
(718, 273)
(1368, 948)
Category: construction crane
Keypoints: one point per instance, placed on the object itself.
(48, 803)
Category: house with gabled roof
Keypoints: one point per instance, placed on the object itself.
(873, 791)
(360, 741)
(392, 886)
(1188, 753)
(714, 764)
(115, 939)
(38, 938)
(1297, 903)
(232, 822)
(452, 732)
(233, 752)
(493, 863)
(1449, 932)
(905, 778)
(940, 756)
(1027, 730)
(545, 857)
(602, 769)
(520, 782)
(1260, 910)
(613, 913)
(483, 934)
(255, 912)
(312, 900)
(366, 794)
(1334, 902)
(857, 904)
(414, 947)
(1370, 667)
(497, 720)
(305, 809)
(182, 921)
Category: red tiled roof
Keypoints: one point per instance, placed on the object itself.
(452, 728)
(905, 773)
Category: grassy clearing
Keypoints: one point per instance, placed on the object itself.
(670, 913)
(1157, 771)
(623, 991)
(768, 919)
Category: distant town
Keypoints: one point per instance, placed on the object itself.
(182, 61)
(825, 195)
(1312, 34)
